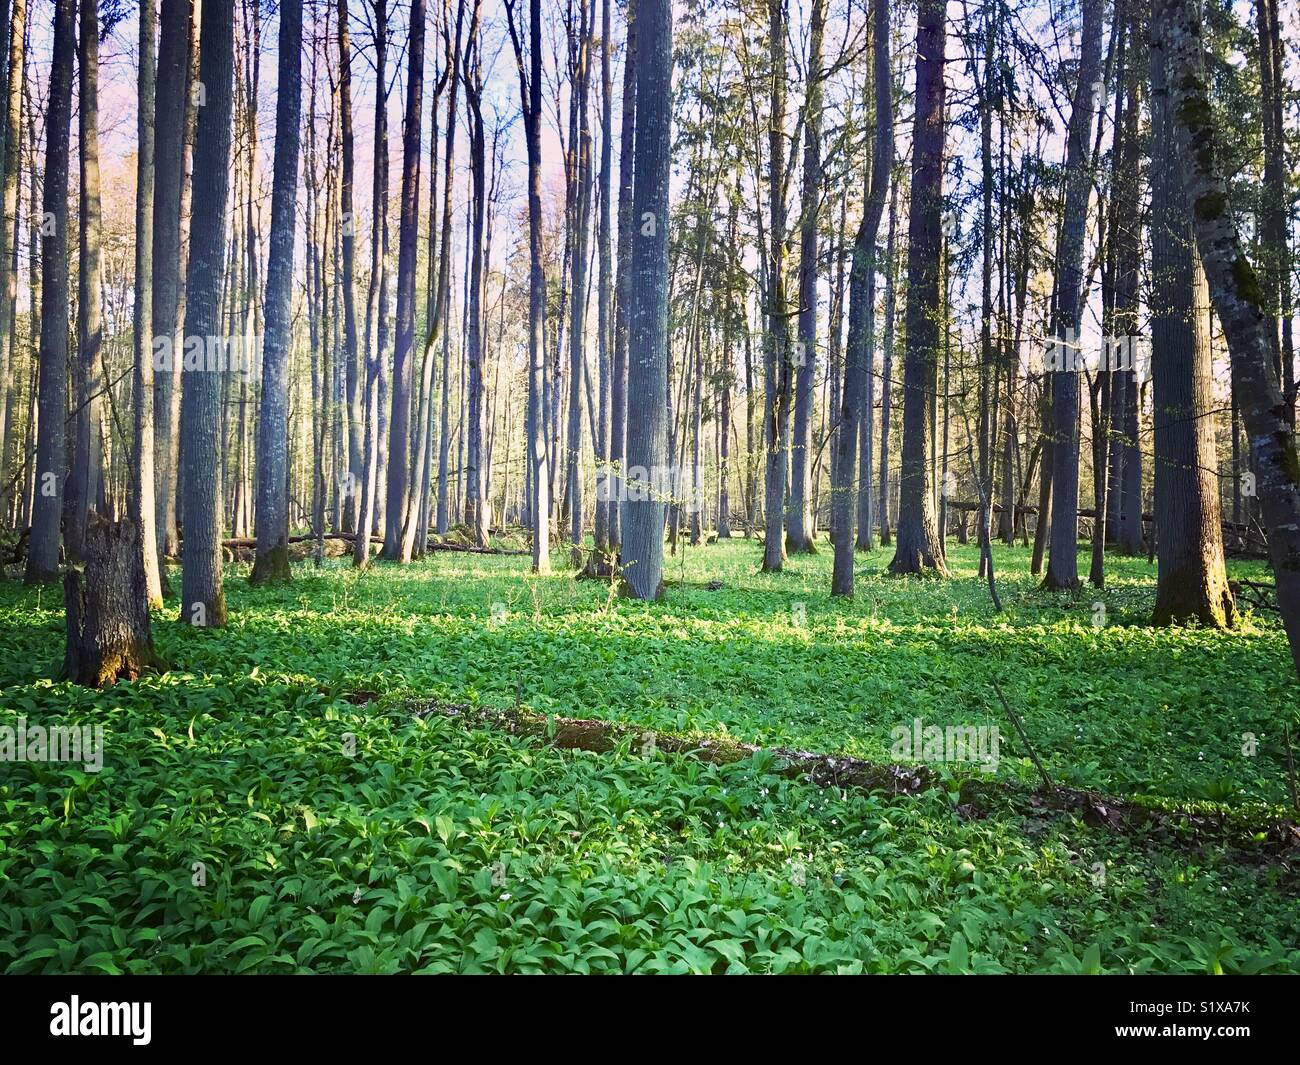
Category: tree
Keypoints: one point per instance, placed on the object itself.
(352, 369)
(83, 479)
(862, 309)
(1063, 555)
(798, 537)
(399, 421)
(647, 377)
(623, 267)
(1192, 583)
(203, 602)
(1237, 297)
(776, 352)
(141, 510)
(169, 153)
(475, 517)
(530, 92)
(11, 136)
(51, 462)
(918, 548)
(604, 294)
(272, 523)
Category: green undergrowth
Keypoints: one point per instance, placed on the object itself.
(337, 832)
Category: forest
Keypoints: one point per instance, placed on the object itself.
(637, 487)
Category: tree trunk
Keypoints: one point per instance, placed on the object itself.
(1192, 583)
(862, 292)
(777, 342)
(203, 603)
(353, 370)
(1063, 552)
(647, 387)
(917, 548)
(272, 519)
(1237, 299)
(799, 537)
(142, 498)
(109, 637)
(82, 481)
(399, 440)
(51, 461)
(10, 161)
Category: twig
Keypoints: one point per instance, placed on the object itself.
(1024, 739)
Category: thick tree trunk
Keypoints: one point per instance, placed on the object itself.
(918, 548)
(109, 637)
(647, 387)
(203, 603)
(272, 518)
(1192, 583)
(1237, 299)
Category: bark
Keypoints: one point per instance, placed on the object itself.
(475, 518)
(917, 548)
(83, 479)
(399, 440)
(799, 536)
(887, 370)
(1237, 298)
(52, 404)
(647, 387)
(776, 354)
(530, 88)
(579, 231)
(272, 518)
(862, 291)
(376, 303)
(203, 602)
(353, 371)
(10, 162)
(604, 294)
(142, 499)
(416, 533)
(109, 636)
(623, 266)
(169, 169)
(1063, 553)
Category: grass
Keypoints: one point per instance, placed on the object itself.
(336, 834)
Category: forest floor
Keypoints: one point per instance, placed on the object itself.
(275, 803)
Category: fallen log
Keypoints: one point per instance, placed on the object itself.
(843, 771)
(310, 538)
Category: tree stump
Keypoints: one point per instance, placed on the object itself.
(109, 635)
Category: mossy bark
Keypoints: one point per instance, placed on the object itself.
(109, 637)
